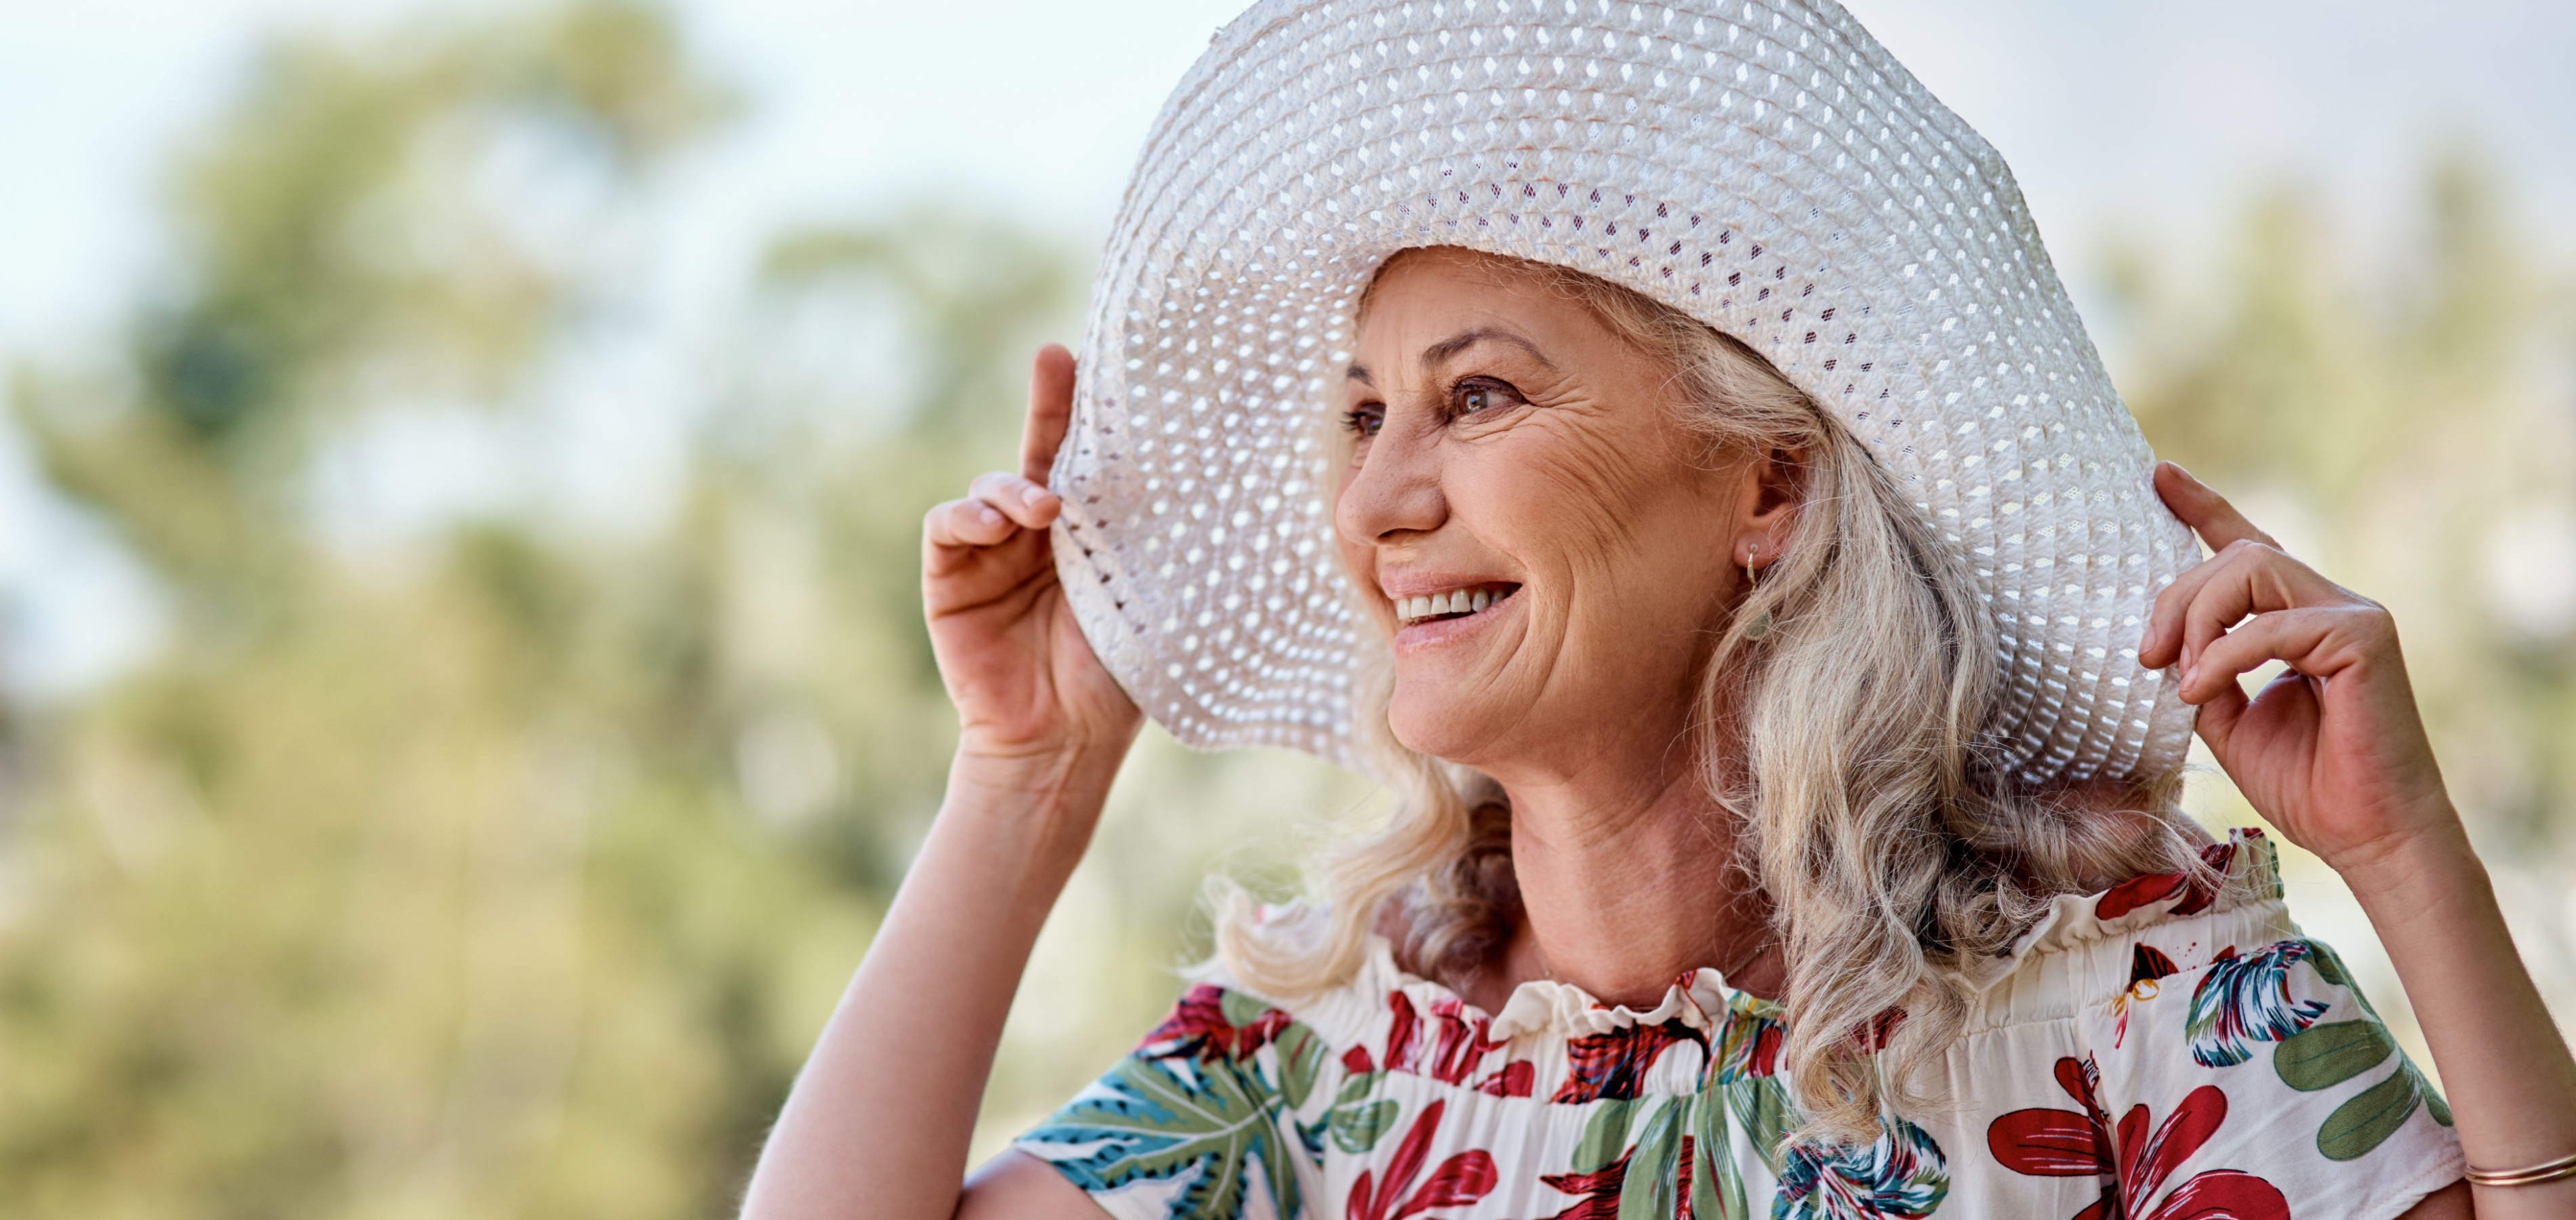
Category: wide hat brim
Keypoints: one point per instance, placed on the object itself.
(1763, 165)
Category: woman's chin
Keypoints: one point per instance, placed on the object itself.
(1444, 721)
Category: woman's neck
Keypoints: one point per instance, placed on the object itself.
(1626, 884)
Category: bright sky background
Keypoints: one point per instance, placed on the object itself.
(2144, 119)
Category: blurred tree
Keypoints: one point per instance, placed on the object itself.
(2406, 419)
(519, 881)
(415, 896)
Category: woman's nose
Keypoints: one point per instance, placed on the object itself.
(1394, 489)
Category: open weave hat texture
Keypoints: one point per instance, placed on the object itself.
(1762, 165)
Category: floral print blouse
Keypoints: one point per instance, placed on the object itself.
(2153, 1052)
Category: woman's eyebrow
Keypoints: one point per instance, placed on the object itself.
(1439, 353)
(1359, 372)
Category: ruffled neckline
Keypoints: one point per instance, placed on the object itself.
(1698, 1000)
(2249, 871)
(1701, 999)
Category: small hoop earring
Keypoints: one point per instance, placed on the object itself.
(1761, 625)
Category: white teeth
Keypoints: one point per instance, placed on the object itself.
(1455, 601)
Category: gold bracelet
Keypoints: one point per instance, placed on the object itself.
(2548, 1171)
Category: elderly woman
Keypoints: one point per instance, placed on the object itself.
(1653, 440)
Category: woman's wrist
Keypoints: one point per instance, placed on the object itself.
(2415, 867)
(1048, 798)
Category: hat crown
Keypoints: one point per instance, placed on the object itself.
(1762, 165)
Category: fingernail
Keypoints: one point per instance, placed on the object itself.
(990, 515)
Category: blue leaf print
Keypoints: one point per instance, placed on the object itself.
(1903, 1175)
(1192, 1106)
(1208, 1123)
(2247, 999)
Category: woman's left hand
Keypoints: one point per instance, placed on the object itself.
(2332, 752)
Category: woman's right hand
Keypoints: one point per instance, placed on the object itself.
(1027, 686)
(879, 1122)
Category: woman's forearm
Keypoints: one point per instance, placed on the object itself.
(878, 1122)
(2510, 1080)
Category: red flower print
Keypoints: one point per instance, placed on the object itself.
(1612, 1066)
(2147, 965)
(1873, 1037)
(1514, 1079)
(2067, 1143)
(2137, 892)
(1599, 1190)
(1682, 1178)
(1459, 1181)
(1450, 1047)
(1749, 1048)
(2048, 1143)
(1198, 1028)
(2146, 1161)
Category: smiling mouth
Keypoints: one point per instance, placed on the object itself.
(1455, 603)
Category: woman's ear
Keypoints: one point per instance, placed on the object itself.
(1778, 487)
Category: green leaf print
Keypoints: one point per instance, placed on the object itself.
(1761, 1108)
(1747, 1055)
(1717, 1187)
(1904, 1176)
(1242, 1009)
(1301, 1060)
(1356, 1088)
(1359, 1126)
(2331, 969)
(2433, 1103)
(1356, 1122)
(1654, 1165)
(1605, 1136)
(2366, 1121)
(1157, 1119)
(2328, 1055)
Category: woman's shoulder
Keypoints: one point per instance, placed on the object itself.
(2191, 1018)
(2086, 949)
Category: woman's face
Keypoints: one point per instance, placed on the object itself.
(1522, 467)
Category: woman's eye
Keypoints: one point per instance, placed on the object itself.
(1364, 422)
(1479, 395)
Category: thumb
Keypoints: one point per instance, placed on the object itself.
(2219, 717)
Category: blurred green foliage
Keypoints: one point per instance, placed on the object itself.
(515, 878)
(2406, 422)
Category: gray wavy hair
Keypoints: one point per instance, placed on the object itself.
(1849, 744)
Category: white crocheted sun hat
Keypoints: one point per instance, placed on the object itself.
(1763, 165)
